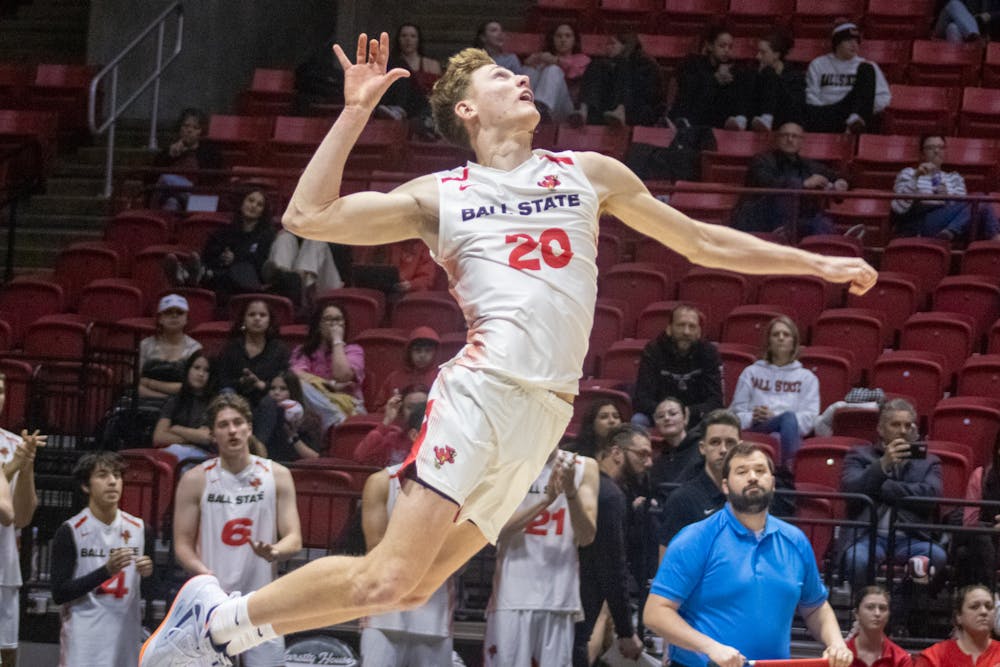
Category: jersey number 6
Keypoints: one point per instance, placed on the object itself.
(526, 244)
(236, 532)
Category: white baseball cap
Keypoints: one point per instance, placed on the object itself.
(172, 301)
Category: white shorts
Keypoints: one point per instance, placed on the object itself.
(9, 615)
(269, 654)
(484, 440)
(529, 637)
(385, 648)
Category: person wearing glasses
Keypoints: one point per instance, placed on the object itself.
(940, 218)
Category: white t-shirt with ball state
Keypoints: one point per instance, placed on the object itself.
(235, 509)
(10, 564)
(103, 627)
(520, 251)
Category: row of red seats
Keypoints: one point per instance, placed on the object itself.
(60, 89)
(811, 18)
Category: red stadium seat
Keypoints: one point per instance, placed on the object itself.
(343, 439)
(282, 308)
(600, 138)
(193, 230)
(733, 151)
(937, 63)
(6, 336)
(364, 307)
(621, 361)
(920, 109)
(614, 16)
(835, 369)
(689, 17)
(860, 423)
(384, 352)
(820, 460)
(979, 113)
(715, 292)
(735, 357)
(872, 213)
(748, 324)
(991, 65)
(110, 300)
(326, 504)
(654, 136)
(64, 89)
(880, 157)
(834, 245)
(589, 395)
(805, 296)
(213, 336)
(434, 309)
(24, 300)
(758, 17)
(147, 270)
(270, 93)
(609, 250)
(860, 330)
(655, 317)
(711, 207)
(523, 43)
(975, 158)
(808, 49)
(545, 14)
(17, 384)
(609, 327)
(970, 420)
(80, 264)
(637, 284)
(129, 232)
(241, 139)
(975, 296)
(667, 50)
(982, 258)
(931, 256)
(834, 149)
(949, 334)
(148, 486)
(815, 516)
(894, 296)
(897, 19)
(814, 18)
(915, 373)
(980, 376)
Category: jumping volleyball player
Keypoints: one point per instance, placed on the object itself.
(516, 230)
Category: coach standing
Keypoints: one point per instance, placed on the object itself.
(728, 586)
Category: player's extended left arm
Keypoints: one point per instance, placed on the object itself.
(624, 196)
(289, 526)
(822, 624)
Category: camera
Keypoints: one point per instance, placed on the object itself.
(918, 450)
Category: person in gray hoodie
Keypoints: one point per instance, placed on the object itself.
(843, 90)
(775, 393)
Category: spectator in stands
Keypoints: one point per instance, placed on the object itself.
(774, 92)
(421, 636)
(843, 90)
(974, 615)
(188, 153)
(791, 216)
(298, 268)
(885, 471)
(491, 38)
(240, 544)
(678, 362)
(625, 88)
(318, 80)
(943, 219)
(389, 442)
(331, 370)
(408, 98)
(597, 422)
(706, 602)
(17, 472)
(870, 645)
(99, 557)
(604, 573)
(301, 429)
(966, 20)
(708, 92)
(557, 72)
(163, 356)
(776, 393)
(678, 458)
(703, 495)
(536, 585)
(181, 429)
(411, 258)
(418, 365)
(234, 255)
(975, 555)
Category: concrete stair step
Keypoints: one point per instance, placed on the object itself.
(28, 223)
(38, 248)
(79, 204)
(67, 185)
(125, 156)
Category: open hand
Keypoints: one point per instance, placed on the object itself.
(268, 552)
(366, 81)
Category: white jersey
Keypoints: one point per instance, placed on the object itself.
(10, 564)
(235, 509)
(432, 618)
(538, 568)
(520, 250)
(104, 627)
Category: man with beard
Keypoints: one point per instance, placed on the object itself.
(604, 572)
(679, 363)
(729, 585)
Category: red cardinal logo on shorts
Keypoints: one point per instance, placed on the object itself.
(549, 182)
(443, 455)
(126, 536)
(255, 482)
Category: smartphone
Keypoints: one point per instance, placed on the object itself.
(918, 450)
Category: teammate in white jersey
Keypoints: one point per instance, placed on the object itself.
(414, 638)
(516, 230)
(536, 586)
(97, 561)
(235, 516)
(17, 461)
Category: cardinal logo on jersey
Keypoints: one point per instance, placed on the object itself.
(126, 536)
(549, 182)
(4, 451)
(255, 482)
(443, 455)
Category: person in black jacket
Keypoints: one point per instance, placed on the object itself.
(783, 167)
(604, 572)
(187, 154)
(772, 93)
(623, 89)
(678, 363)
(709, 87)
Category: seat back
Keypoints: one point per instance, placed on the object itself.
(326, 504)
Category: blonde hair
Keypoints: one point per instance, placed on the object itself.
(787, 321)
(451, 88)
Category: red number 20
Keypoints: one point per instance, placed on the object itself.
(527, 244)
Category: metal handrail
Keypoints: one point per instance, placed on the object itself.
(116, 110)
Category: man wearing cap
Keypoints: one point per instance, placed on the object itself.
(419, 365)
(844, 92)
(162, 355)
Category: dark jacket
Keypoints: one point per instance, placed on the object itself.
(863, 473)
(701, 99)
(694, 378)
(775, 169)
(251, 247)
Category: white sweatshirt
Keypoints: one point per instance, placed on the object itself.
(788, 388)
(829, 79)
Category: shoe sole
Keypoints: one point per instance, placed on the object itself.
(170, 612)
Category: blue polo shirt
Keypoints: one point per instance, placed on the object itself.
(737, 589)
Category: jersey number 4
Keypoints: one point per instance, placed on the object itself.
(526, 244)
(236, 532)
(540, 524)
(114, 586)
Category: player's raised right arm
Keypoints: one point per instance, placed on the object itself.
(316, 210)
